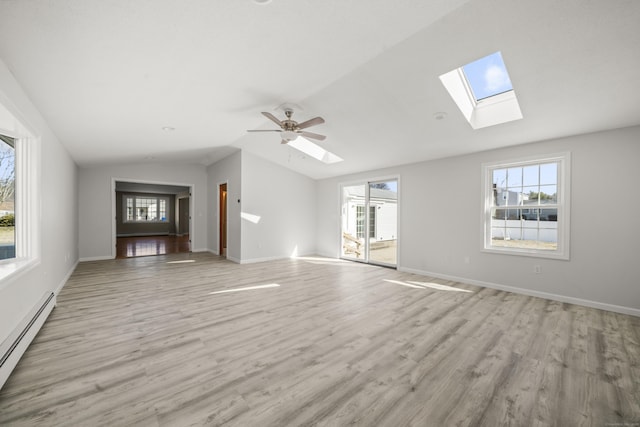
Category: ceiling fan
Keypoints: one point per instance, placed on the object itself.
(290, 129)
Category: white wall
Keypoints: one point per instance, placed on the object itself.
(59, 213)
(96, 195)
(285, 203)
(440, 223)
(227, 170)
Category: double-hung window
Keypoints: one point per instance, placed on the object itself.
(526, 207)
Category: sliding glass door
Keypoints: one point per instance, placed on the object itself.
(370, 222)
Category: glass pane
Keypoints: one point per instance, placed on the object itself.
(353, 221)
(549, 215)
(548, 194)
(383, 216)
(7, 192)
(487, 76)
(530, 195)
(514, 177)
(530, 176)
(549, 173)
(499, 178)
(163, 210)
(530, 218)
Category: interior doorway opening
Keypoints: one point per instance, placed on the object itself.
(151, 218)
(222, 219)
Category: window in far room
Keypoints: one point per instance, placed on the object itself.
(145, 209)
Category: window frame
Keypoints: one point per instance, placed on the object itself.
(158, 199)
(26, 205)
(12, 142)
(563, 205)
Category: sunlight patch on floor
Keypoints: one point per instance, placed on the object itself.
(425, 285)
(249, 288)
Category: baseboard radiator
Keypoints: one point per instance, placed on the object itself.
(12, 349)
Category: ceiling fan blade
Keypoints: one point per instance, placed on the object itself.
(313, 135)
(264, 130)
(272, 118)
(310, 122)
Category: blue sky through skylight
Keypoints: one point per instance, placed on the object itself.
(487, 76)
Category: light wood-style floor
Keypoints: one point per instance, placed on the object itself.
(155, 341)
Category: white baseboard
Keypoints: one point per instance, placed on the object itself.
(96, 258)
(274, 258)
(529, 292)
(160, 233)
(65, 279)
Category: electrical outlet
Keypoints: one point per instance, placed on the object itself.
(537, 269)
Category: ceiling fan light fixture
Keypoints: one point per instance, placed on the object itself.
(289, 135)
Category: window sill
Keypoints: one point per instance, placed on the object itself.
(12, 269)
(528, 253)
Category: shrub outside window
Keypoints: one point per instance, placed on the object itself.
(526, 209)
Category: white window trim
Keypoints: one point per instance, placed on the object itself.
(563, 202)
(27, 209)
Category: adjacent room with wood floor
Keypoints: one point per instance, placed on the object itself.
(278, 213)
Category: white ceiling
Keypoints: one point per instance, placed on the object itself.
(108, 75)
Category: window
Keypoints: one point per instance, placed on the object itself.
(145, 209)
(483, 92)
(7, 193)
(372, 221)
(527, 207)
(360, 221)
(19, 179)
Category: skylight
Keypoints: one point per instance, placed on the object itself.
(314, 150)
(483, 92)
(487, 76)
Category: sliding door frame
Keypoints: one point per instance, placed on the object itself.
(366, 182)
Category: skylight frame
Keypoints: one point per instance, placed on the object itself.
(480, 113)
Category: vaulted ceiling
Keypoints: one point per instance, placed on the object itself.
(109, 75)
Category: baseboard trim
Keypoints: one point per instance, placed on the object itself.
(274, 258)
(529, 292)
(65, 279)
(160, 233)
(96, 258)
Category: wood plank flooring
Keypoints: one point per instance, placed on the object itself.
(127, 247)
(155, 342)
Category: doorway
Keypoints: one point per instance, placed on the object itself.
(150, 218)
(183, 216)
(370, 222)
(222, 203)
